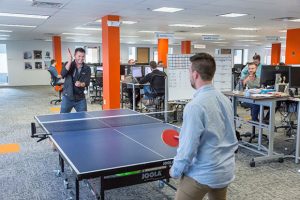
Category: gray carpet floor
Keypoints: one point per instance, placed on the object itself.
(29, 174)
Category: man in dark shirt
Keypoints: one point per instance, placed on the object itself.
(56, 78)
(157, 82)
(77, 77)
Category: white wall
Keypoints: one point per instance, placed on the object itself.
(18, 76)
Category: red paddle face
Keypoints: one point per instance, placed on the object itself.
(170, 137)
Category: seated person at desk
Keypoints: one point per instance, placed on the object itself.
(54, 73)
(245, 71)
(157, 86)
(252, 81)
(129, 90)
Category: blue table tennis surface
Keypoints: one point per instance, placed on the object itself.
(108, 143)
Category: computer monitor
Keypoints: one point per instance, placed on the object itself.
(294, 77)
(268, 74)
(99, 68)
(136, 72)
(147, 70)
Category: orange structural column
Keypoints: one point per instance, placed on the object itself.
(185, 47)
(56, 48)
(292, 53)
(162, 48)
(275, 54)
(111, 61)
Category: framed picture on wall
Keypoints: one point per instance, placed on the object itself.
(38, 65)
(27, 55)
(47, 55)
(37, 54)
(28, 65)
(47, 64)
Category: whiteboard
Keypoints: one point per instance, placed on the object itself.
(179, 86)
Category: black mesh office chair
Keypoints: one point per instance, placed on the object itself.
(56, 82)
(157, 95)
(97, 86)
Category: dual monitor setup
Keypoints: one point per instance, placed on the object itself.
(137, 71)
(288, 74)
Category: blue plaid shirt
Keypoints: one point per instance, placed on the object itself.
(207, 140)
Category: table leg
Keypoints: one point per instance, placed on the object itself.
(298, 136)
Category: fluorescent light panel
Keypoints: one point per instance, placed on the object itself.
(232, 15)
(129, 22)
(129, 36)
(220, 42)
(187, 25)
(4, 35)
(282, 31)
(245, 28)
(88, 28)
(17, 25)
(167, 9)
(247, 40)
(247, 36)
(295, 20)
(80, 34)
(5, 31)
(150, 31)
(24, 15)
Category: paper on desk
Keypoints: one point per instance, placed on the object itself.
(261, 95)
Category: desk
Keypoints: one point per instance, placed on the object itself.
(270, 101)
(106, 143)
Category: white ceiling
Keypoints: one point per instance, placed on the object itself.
(83, 13)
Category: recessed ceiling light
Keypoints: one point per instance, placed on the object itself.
(4, 35)
(88, 28)
(167, 9)
(80, 34)
(295, 20)
(98, 20)
(220, 42)
(5, 31)
(187, 25)
(24, 15)
(232, 15)
(3, 38)
(129, 36)
(150, 31)
(17, 25)
(247, 36)
(245, 28)
(129, 22)
(247, 40)
(199, 46)
(204, 34)
(282, 31)
(149, 40)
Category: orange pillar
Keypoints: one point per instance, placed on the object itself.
(111, 61)
(292, 53)
(185, 47)
(56, 48)
(162, 49)
(275, 54)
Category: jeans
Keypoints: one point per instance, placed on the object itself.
(147, 92)
(254, 110)
(67, 104)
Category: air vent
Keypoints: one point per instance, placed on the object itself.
(44, 4)
(284, 18)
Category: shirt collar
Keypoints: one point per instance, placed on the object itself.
(202, 89)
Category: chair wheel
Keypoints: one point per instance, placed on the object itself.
(281, 160)
(252, 164)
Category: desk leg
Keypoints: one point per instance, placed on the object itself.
(261, 116)
(76, 189)
(133, 97)
(101, 188)
(298, 136)
(271, 128)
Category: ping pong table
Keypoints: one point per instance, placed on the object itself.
(105, 144)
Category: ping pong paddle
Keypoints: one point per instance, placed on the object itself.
(170, 137)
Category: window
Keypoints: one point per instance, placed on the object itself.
(132, 53)
(3, 65)
(245, 56)
(92, 55)
(238, 56)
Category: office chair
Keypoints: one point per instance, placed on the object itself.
(97, 86)
(57, 86)
(157, 96)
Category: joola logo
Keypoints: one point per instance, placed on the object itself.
(151, 175)
(168, 163)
